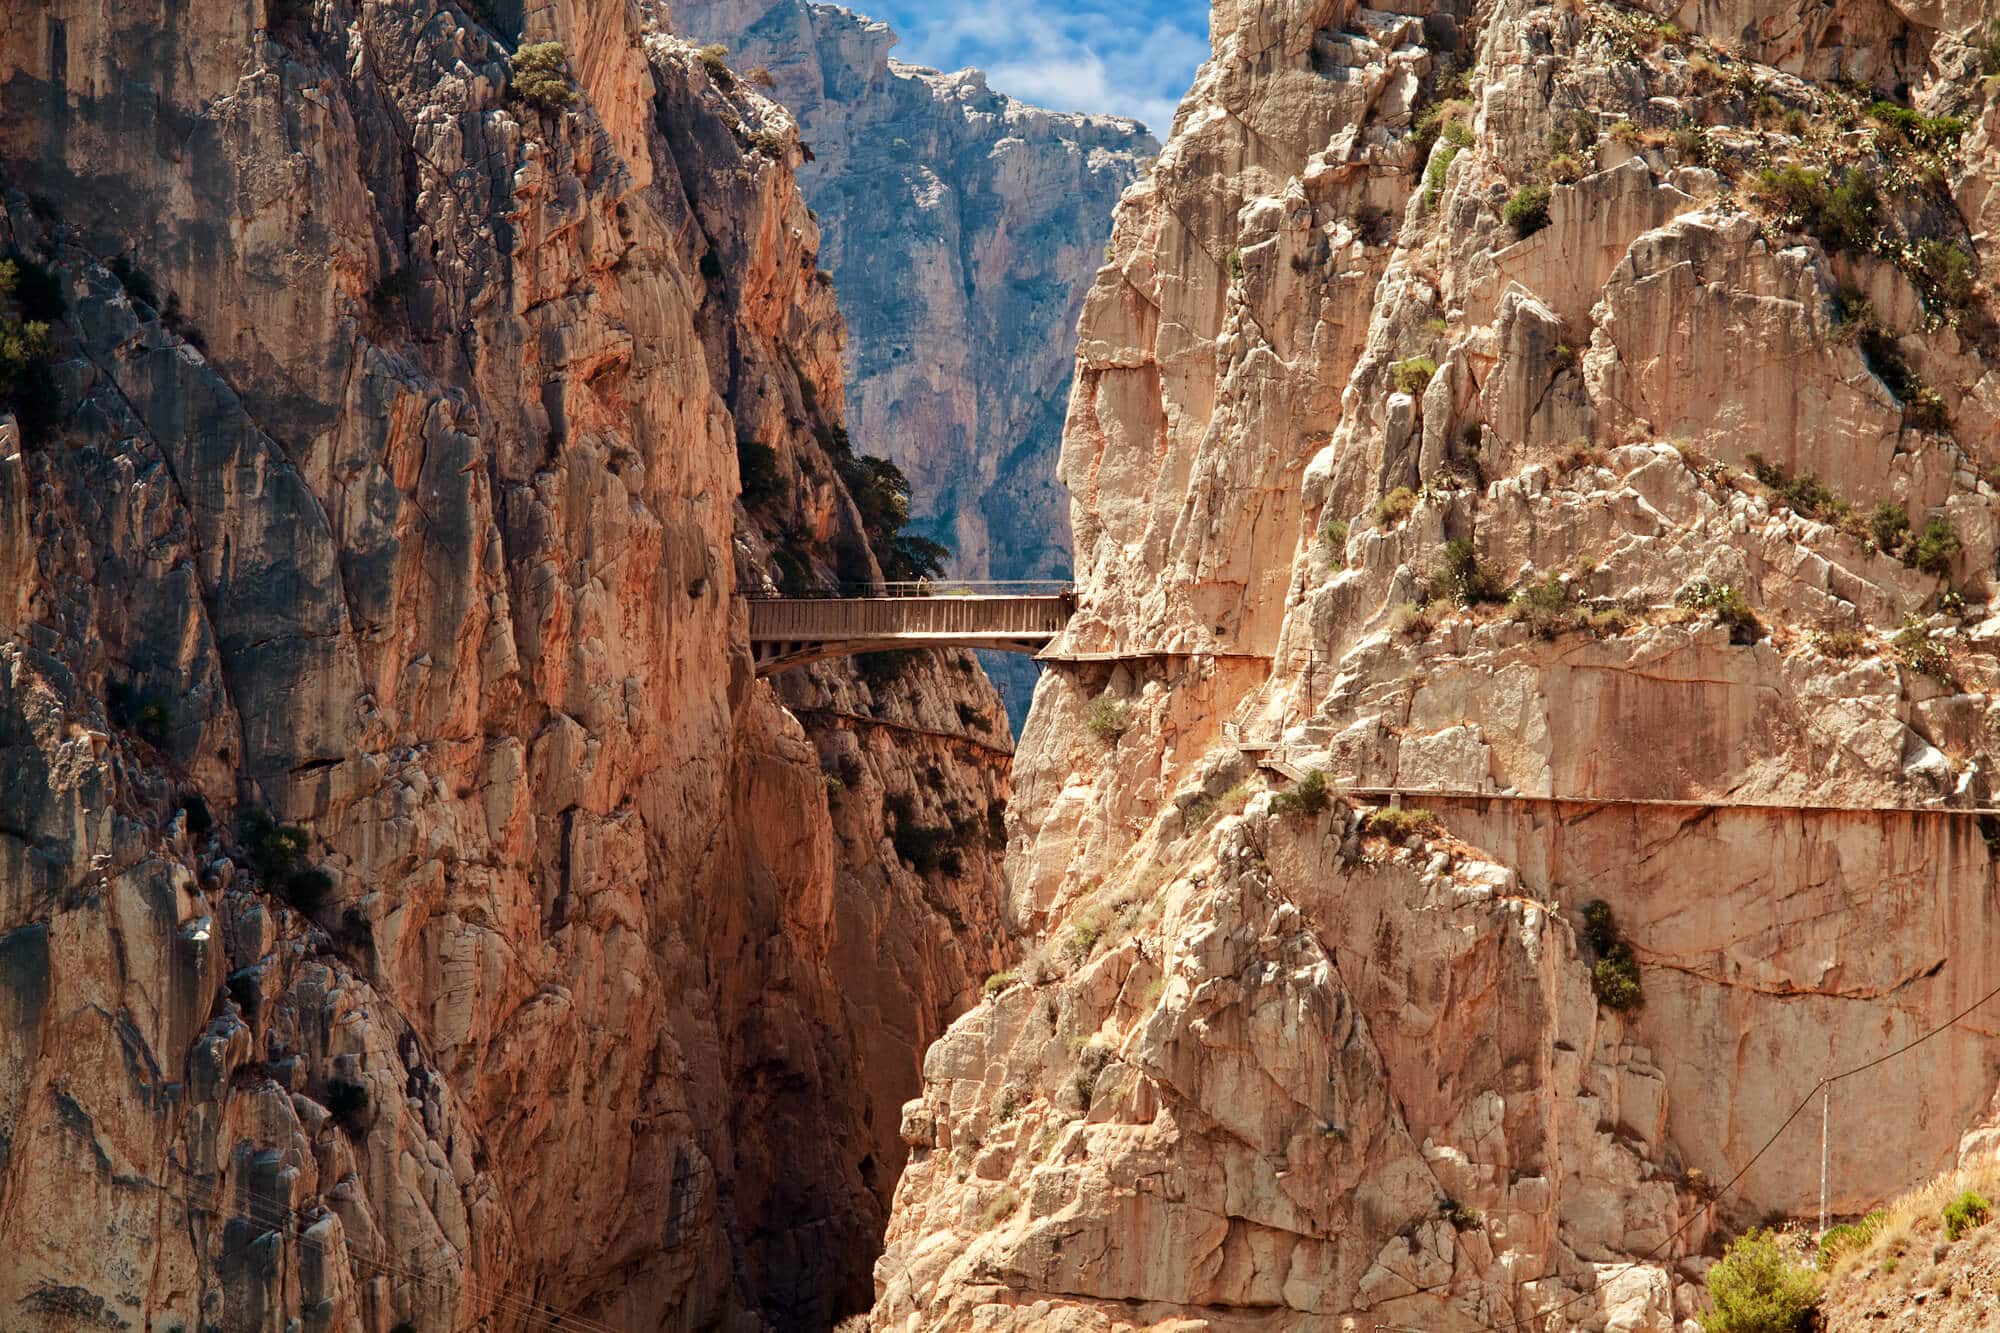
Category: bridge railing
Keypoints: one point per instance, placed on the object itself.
(918, 588)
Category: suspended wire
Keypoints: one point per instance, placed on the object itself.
(1826, 1082)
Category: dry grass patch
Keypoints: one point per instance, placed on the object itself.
(1911, 1224)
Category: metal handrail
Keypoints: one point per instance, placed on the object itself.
(918, 588)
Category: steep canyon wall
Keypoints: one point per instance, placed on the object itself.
(411, 907)
(1584, 414)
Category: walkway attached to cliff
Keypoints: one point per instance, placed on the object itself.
(791, 629)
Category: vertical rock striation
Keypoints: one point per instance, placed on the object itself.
(1585, 415)
(411, 906)
(962, 228)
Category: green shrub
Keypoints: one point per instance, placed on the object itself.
(277, 853)
(1614, 977)
(1308, 797)
(1542, 607)
(1848, 218)
(1760, 1288)
(1461, 1216)
(1394, 507)
(1947, 276)
(999, 981)
(541, 76)
(1435, 173)
(1411, 621)
(1106, 718)
(715, 59)
(27, 387)
(1090, 1063)
(1847, 1238)
(1398, 823)
(1922, 653)
(1889, 524)
(1798, 190)
(1935, 548)
(1412, 375)
(1083, 935)
(1234, 259)
(1726, 604)
(1965, 1213)
(34, 286)
(1527, 210)
(757, 465)
(1333, 536)
(1464, 579)
(1903, 124)
(1841, 644)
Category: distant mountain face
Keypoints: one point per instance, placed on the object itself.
(963, 229)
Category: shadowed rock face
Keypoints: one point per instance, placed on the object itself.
(1283, 1067)
(962, 229)
(393, 491)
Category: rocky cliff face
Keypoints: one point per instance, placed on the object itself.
(962, 228)
(411, 908)
(1584, 414)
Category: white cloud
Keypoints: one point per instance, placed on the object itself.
(1050, 53)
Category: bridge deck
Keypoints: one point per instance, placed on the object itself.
(789, 632)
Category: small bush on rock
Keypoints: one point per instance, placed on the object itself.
(1847, 1238)
(1398, 823)
(1614, 978)
(541, 76)
(1924, 654)
(1394, 507)
(1760, 1287)
(1726, 604)
(1106, 718)
(1308, 797)
(1464, 579)
(1413, 375)
(715, 59)
(1527, 210)
(1964, 1213)
(1936, 547)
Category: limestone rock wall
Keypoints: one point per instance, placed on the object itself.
(393, 491)
(962, 227)
(1595, 515)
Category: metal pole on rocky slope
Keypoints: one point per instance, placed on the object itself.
(1825, 1117)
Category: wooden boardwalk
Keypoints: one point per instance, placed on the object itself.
(787, 632)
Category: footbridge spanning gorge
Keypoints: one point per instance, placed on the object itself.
(790, 630)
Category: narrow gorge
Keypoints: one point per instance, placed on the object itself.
(1526, 720)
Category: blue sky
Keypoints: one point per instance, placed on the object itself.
(1127, 57)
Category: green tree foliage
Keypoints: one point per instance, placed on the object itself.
(1759, 1287)
(757, 465)
(1964, 1213)
(1527, 210)
(277, 853)
(1309, 797)
(31, 297)
(541, 76)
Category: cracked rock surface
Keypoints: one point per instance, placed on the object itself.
(1493, 410)
(412, 907)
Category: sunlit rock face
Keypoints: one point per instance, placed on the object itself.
(387, 485)
(963, 229)
(1647, 522)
